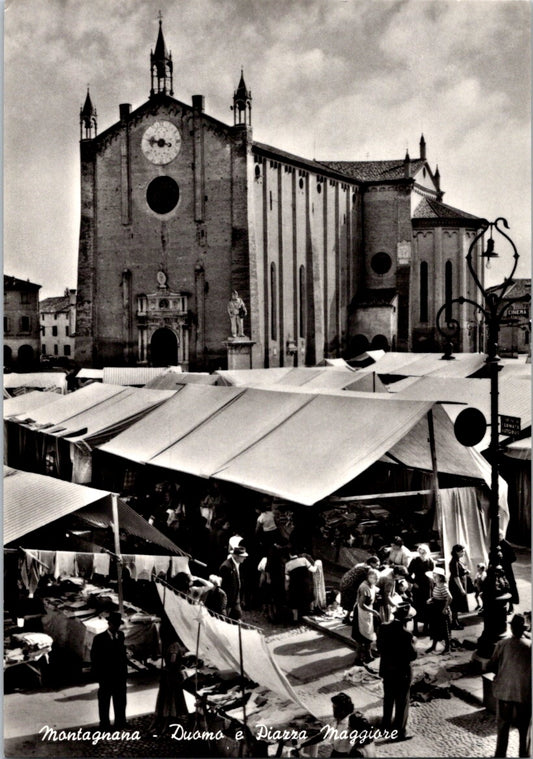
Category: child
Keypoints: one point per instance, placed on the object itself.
(480, 577)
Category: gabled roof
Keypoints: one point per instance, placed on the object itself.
(13, 283)
(55, 304)
(429, 208)
(519, 286)
(376, 171)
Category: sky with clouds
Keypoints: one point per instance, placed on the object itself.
(330, 79)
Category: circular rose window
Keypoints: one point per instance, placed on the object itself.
(381, 263)
(162, 195)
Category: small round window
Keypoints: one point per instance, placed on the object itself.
(162, 194)
(301, 183)
(381, 263)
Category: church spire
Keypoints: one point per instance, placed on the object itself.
(87, 119)
(161, 65)
(422, 148)
(242, 103)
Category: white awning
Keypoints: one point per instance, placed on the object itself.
(69, 405)
(111, 416)
(188, 408)
(33, 500)
(22, 405)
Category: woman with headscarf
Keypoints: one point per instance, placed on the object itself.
(458, 577)
(439, 611)
(421, 589)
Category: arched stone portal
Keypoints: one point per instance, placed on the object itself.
(8, 356)
(164, 348)
(25, 356)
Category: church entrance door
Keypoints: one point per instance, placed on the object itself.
(164, 348)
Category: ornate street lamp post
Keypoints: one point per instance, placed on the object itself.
(493, 307)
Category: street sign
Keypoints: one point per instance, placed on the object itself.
(510, 425)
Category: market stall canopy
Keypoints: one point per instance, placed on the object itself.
(520, 449)
(171, 380)
(422, 364)
(70, 405)
(332, 440)
(220, 642)
(22, 405)
(237, 426)
(294, 445)
(514, 397)
(90, 374)
(24, 491)
(137, 376)
(189, 407)
(111, 416)
(42, 380)
(315, 378)
(413, 451)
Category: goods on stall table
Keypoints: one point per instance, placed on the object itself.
(73, 619)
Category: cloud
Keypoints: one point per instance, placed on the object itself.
(348, 80)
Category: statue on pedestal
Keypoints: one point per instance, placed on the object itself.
(237, 311)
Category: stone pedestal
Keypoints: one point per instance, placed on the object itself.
(239, 352)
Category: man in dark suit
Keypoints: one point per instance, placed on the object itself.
(396, 647)
(231, 580)
(108, 657)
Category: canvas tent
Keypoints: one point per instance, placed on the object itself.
(24, 404)
(57, 499)
(64, 433)
(293, 445)
(136, 376)
(16, 383)
(421, 364)
(514, 397)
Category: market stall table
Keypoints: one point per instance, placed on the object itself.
(29, 650)
(74, 618)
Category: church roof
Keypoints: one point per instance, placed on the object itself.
(376, 171)
(55, 304)
(429, 208)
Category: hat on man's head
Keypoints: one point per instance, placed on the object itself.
(240, 551)
(436, 571)
(342, 700)
(115, 618)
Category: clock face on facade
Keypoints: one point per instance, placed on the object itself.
(161, 142)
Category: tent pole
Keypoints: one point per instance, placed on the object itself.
(197, 655)
(435, 477)
(242, 676)
(114, 502)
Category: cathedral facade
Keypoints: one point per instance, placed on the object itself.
(178, 210)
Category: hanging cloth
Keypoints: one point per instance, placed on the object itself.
(85, 562)
(319, 586)
(161, 565)
(65, 564)
(101, 564)
(29, 572)
(143, 567)
(179, 564)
